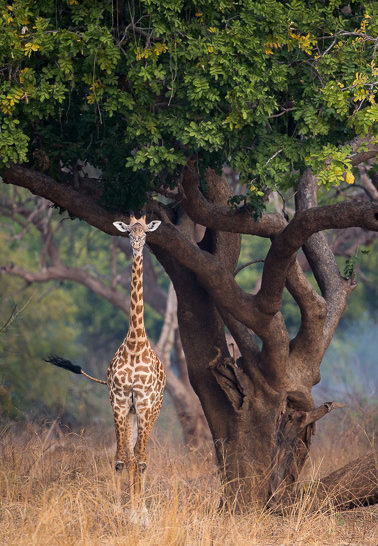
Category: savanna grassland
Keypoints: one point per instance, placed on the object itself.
(60, 489)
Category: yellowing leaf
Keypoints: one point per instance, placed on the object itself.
(23, 73)
(28, 48)
(349, 178)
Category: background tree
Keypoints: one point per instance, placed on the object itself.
(277, 91)
(35, 321)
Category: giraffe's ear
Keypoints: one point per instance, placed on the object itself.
(121, 226)
(153, 225)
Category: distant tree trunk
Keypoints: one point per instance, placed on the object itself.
(189, 411)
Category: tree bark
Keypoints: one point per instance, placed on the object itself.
(261, 431)
(188, 408)
(353, 485)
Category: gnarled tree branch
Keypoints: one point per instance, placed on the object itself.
(75, 274)
(359, 157)
(335, 289)
(302, 226)
(219, 216)
(313, 313)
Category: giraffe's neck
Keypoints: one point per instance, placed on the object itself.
(136, 301)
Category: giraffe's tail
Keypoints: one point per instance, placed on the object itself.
(67, 365)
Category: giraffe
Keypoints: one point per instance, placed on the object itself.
(136, 377)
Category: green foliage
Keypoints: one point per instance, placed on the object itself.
(338, 161)
(350, 263)
(30, 386)
(253, 199)
(13, 142)
(349, 268)
(136, 90)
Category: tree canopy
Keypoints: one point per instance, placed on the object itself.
(266, 87)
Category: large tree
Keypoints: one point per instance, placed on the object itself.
(159, 96)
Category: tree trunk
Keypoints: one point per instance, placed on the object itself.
(261, 434)
(264, 434)
(195, 429)
(232, 427)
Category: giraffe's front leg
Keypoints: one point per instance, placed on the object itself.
(123, 421)
(146, 421)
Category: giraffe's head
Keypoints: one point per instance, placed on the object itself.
(137, 231)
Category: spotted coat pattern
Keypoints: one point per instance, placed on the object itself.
(136, 381)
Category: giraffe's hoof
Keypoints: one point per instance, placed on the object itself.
(119, 466)
(142, 467)
(139, 516)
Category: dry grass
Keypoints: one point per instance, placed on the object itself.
(69, 494)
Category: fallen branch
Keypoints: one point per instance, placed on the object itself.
(353, 485)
